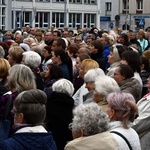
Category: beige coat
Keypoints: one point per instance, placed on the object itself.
(101, 141)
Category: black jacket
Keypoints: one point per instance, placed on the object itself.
(59, 116)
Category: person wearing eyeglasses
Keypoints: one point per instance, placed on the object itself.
(124, 76)
(114, 58)
(29, 111)
(122, 110)
(90, 127)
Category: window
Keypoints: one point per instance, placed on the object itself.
(74, 20)
(2, 18)
(41, 19)
(108, 6)
(75, 1)
(58, 20)
(89, 20)
(42, 0)
(139, 4)
(59, 0)
(90, 2)
(125, 4)
(2, 2)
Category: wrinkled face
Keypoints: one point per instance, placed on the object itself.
(90, 86)
(48, 36)
(97, 97)
(111, 58)
(117, 76)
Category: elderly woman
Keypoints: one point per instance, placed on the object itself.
(4, 67)
(134, 63)
(15, 55)
(20, 79)
(122, 110)
(90, 129)
(141, 39)
(114, 59)
(86, 65)
(123, 75)
(103, 86)
(33, 60)
(59, 112)
(89, 79)
(29, 113)
(78, 81)
(142, 123)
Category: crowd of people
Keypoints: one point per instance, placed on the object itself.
(87, 90)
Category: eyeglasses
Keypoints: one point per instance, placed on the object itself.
(13, 111)
(70, 126)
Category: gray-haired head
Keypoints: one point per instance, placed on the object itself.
(91, 118)
(105, 85)
(92, 74)
(63, 86)
(21, 78)
(32, 104)
(32, 59)
(2, 52)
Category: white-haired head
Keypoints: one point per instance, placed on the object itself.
(31, 59)
(63, 86)
(105, 85)
(92, 74)
(90, 118)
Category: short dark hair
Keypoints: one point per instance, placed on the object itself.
(145, 61)
(126, 71)
(48, 48)
(133, 60)
(55, 71)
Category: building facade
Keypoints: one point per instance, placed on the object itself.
(5, 14)
(134, 14)
(109, 9)
(59, 13)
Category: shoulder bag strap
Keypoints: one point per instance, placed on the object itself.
(8, 105)
(123, 138)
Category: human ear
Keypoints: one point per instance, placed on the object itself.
(20, 118)
(112, 115)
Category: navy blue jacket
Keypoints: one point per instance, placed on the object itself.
(29, 141)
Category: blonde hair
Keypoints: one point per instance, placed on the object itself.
(16, 53)
(4, 67)
(88, 64)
